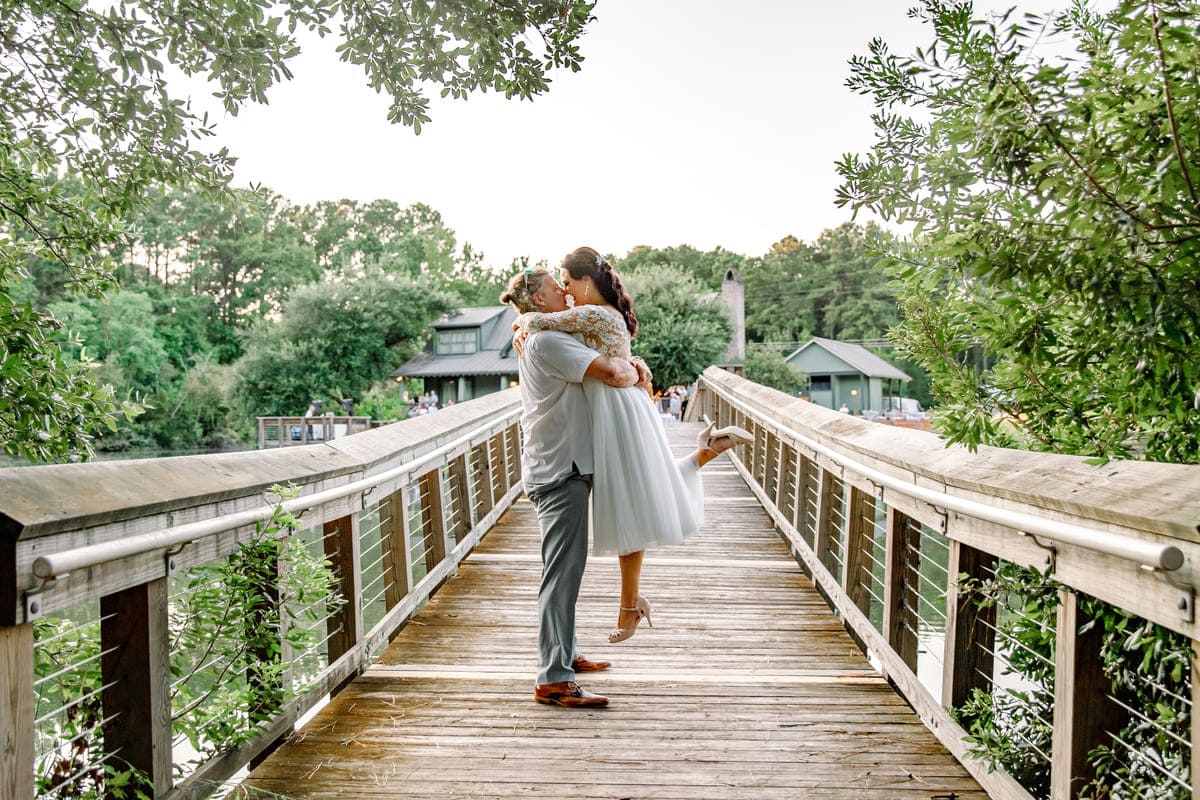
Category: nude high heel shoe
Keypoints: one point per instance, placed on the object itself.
(732, 434)
(642, 607)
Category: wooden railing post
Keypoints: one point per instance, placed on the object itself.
(484, 490)
(827, 531)
(345, 628)
(756, 449)
(267, 615)
(899, 594)
(136, 668)
(785, 500)
(435, 518)
(16, 711)
(512, 456)
(1084, 714)
(968, 661)
(860, 540)
(770, 466)
(397, 549)
(1194, 685)
(802, 514)
(460, 497)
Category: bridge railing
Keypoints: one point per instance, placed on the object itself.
(913, 544)
(122, 657)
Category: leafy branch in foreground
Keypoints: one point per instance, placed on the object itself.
(1055, 222)
(89, 126)
(245, 635)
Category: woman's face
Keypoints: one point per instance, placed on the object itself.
(581, 290)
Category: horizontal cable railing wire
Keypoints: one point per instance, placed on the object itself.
(288, 609)
(966, 576)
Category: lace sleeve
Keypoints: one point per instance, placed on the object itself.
(583, 319)
(602, 331)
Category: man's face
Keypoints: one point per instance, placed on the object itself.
(551, 296)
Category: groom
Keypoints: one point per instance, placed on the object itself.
(556, 469)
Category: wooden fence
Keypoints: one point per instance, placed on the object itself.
(105, 543)
(300, 431)
(892, 525)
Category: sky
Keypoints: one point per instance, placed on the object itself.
(702, 122)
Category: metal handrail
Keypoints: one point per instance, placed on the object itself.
(59, 565)
(1151, 555)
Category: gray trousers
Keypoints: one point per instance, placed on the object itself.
(562, 509)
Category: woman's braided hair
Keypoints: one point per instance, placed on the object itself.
(587, 262)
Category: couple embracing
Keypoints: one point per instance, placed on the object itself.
(590, 428)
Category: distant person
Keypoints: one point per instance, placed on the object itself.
(675, 401)
(844, 409)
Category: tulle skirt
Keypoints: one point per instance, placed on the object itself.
(641, 495)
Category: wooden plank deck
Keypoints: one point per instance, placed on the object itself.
(747, 687)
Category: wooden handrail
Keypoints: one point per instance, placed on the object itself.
(112, 531)
(1123, 532)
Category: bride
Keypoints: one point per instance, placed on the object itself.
(642, 496)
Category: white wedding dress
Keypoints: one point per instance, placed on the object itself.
(641, 495)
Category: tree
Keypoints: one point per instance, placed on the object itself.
(682, 329)
(335, 340)
(784, 269)
(1056, 216)
(768, 366)
(1051, 292)
(835, 287)
(245, 253)
(708, 268)
(90, 127)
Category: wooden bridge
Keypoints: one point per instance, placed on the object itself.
(816, 640)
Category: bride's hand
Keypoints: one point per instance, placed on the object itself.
(645, 376)
(519, 340)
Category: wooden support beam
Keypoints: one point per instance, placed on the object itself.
(460, 498)
(344, 551)
(828, 530)
(136, 667)
(1084, 713)
(499, 474)
(268, 616)
(770, 464)
(512, 454)
(758, 454)
(397, 552)
(1194, 682)
(967, 661)
(785, 497)
(482, 471)
(803, 515)
(16, 711)
(900, 589)
(860, 542)
(435, 519)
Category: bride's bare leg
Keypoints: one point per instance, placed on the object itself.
(633, 605)
(631, 584)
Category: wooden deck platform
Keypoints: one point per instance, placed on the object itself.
(747, 687)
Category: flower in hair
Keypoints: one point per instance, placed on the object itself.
(599, 261)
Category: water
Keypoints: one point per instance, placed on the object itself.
(7, 461)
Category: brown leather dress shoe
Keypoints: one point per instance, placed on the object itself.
(581, 664)
(568, 694)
